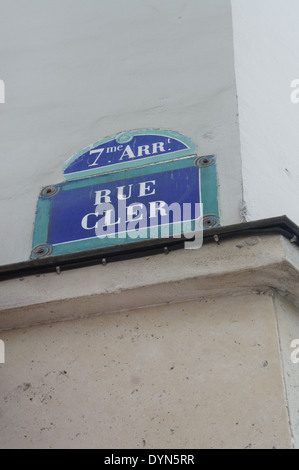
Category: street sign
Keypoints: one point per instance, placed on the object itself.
(163, 199)
(128, 150)
(120, 211)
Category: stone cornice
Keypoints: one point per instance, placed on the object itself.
(255, 264)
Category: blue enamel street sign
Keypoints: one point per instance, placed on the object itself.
(127, 150)
(163, 199)
(121, 209)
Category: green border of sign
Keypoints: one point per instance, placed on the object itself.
(209, 191)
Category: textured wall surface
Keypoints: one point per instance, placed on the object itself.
(266, 43)
(193, 375)
(288, 330)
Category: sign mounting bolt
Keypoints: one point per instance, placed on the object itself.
(216, 238)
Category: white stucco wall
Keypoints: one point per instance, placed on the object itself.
(76, 72)
(266, 42)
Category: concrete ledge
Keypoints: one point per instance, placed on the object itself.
(248, 264)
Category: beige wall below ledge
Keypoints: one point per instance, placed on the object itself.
(240, 265)
(189, 350)
(198, 374)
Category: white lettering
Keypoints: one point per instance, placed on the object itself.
(115, 460)
(128, 152)
(99, 151)
(103, 193)
(159, 145)
(111, 149)
(2, 352)
(2, 92)
(295, 94)
(171, 459)
(143, 148)
(152, 459)
(155, 207)
(120, 192)
(108, 218)
(84, 222)
(135, 210)
(105, 225)
(154, 216)
(175, 208)
(136, 219)
(145, 187)
(294, 355)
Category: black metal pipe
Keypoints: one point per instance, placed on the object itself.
(277, 225)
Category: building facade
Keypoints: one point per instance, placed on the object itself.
(157, 347)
